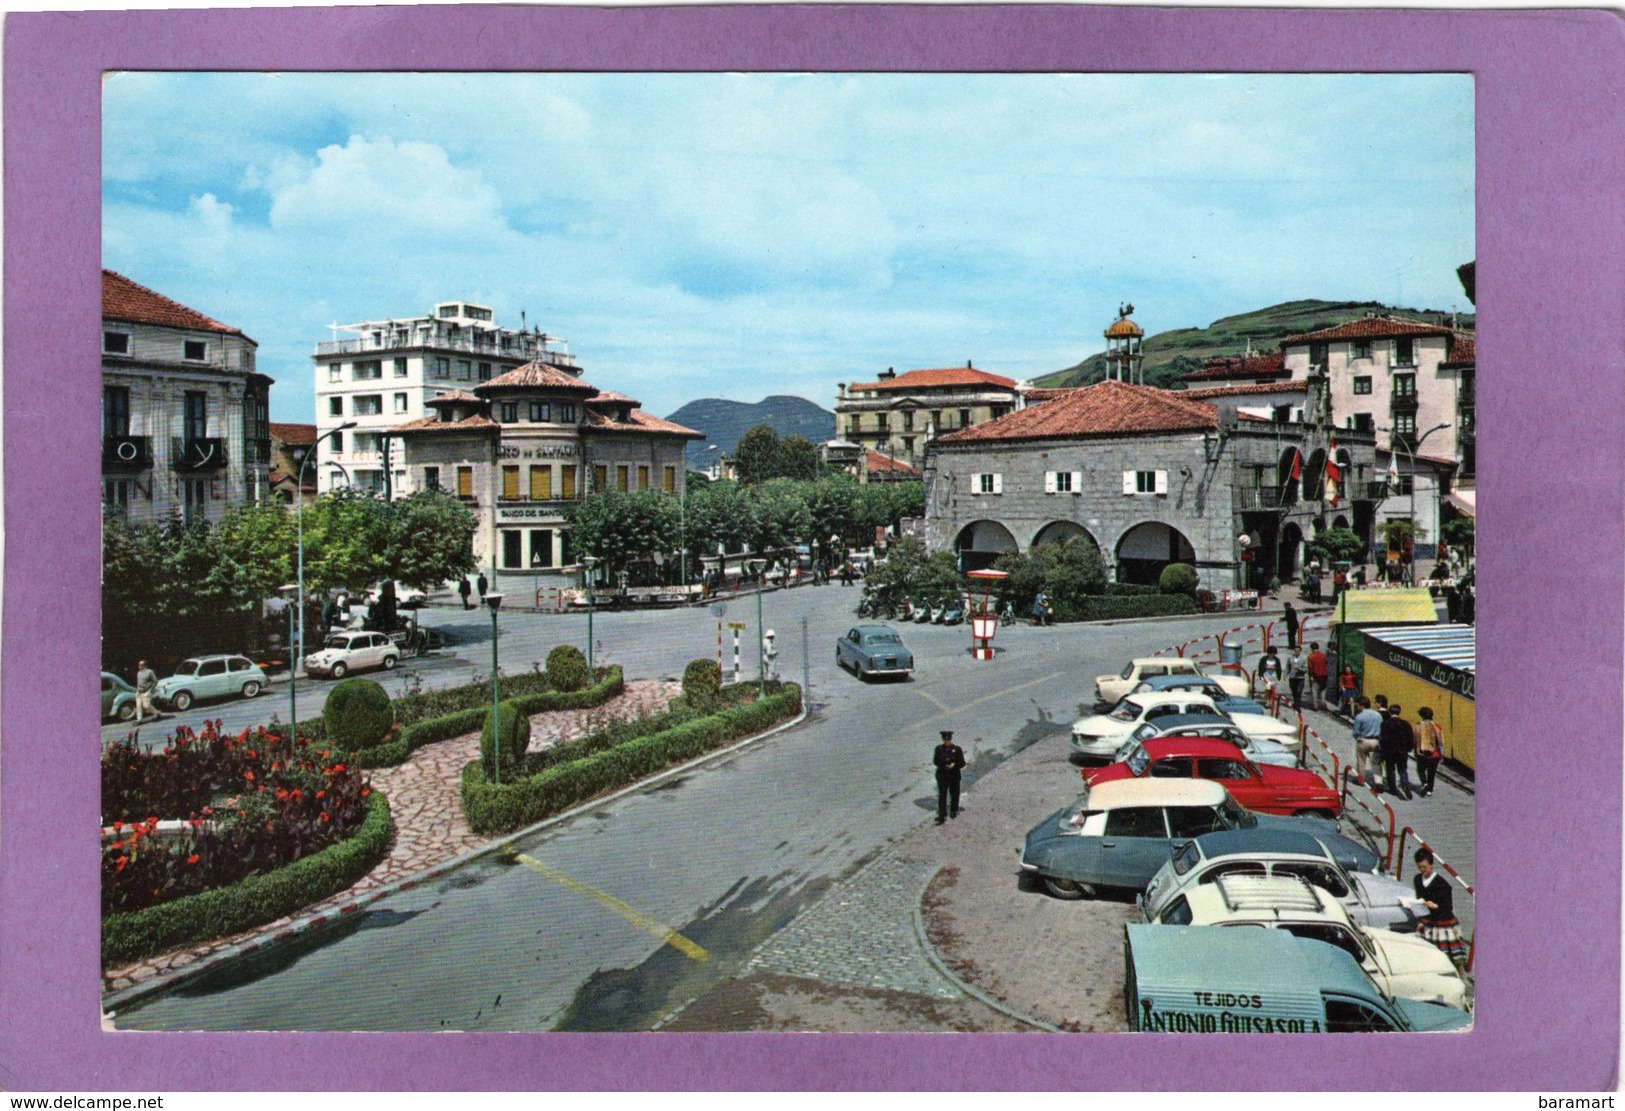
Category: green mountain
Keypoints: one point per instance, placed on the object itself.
(724, 422)
(1169, 356)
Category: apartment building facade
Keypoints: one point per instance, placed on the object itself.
(185, 414)
(899, 414)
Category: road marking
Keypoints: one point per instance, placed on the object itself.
(986, 697)
(668, 936)
(933, 699)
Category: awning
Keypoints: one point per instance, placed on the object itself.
(1454, 646)
(1466, 501)
(1409, 605)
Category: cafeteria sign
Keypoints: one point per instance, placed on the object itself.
(1429, 671)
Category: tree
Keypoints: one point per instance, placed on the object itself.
(430, 539)
(620, 529)
(719, 515)
(757, 457)
(781, 516)
(1337, 545)
(262, 540)
(798, 459)
(347, 536)
(883, 504)
(1068, 572)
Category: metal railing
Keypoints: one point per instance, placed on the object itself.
(1265, 497)
(203, 454)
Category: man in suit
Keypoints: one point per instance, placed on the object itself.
(949, 759)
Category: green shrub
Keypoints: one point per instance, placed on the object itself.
(702, 680)
(250, 902)
(1129, 590)
(357, 713)
(567, 668)
(582, 772)
(1120, 609)
(1179, 578)
(512, 728)
(433, 704)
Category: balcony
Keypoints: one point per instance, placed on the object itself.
(1370, 491)
(198, 455)
(1402, 403)
(1265, 497)
(126, 453)
(518, 345)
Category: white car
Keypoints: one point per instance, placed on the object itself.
(345, 652)
(1110, 688)
(1099, 736)
(1402, 965)
(1259, 751)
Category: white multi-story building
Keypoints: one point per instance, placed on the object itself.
(185, 416)
(387, 371)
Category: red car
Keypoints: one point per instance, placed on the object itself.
(1260, 787)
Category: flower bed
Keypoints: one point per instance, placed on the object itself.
(255, 805)
(567, 774)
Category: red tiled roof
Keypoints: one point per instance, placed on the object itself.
(876, 462)
(429, 424)
(1205, 392)
(1108, 408)
(1371, 327)
(940, 378)
(454, 397)
(1270, 364)
(1463, 350)
(533, 374)
(1049, 393)
(123, 299)
(639, 421)
(611, 397)
(293, 435)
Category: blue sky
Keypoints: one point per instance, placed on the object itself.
(734, 235)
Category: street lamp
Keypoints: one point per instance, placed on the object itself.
(760, 567)
(589, 562)
(495, 602)
(299, 524)
(1410, 513)
(290, 592)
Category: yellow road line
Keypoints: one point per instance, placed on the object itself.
(933, 699)
(668, 936)
(986, 697)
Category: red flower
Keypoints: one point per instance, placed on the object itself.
(192, 859)
(321, 794)
(120, 863)
(250, 754)
(249, 776)
(365, 791)
(337, 768)
(324, 816)
(117, 826)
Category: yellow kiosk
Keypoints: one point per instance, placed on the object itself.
(1427, 665)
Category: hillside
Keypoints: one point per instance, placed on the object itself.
(724, 422)
(1169, 356)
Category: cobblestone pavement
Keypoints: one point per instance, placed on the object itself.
(861, 933)
(426, 808)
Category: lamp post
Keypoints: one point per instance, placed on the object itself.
(495, 602)
(1410, 512)
(760, 567)
(299, 525)
(290, 591)
(589, 562)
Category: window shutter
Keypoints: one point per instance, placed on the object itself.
(998, 484)
(1077, 482)
(1162, 482)
(1049, 482)
(976, 484)
(1128, 482)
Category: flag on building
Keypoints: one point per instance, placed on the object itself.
(1333, 473)
(1393, 471)
(1296, 471)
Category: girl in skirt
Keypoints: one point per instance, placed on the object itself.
(1440, 926)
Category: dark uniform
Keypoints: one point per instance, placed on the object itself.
(949, 759)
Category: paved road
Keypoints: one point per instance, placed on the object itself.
(614, 919)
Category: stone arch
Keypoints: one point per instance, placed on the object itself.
(1314, 475)
(981, 542)
(1146, 548)
(1058, 532)
(1290, 487)
(1286, 558)
(1340, 521)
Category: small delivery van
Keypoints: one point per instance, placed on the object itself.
(1209, 979)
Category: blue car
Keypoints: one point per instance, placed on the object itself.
(870, 651)
(118, 698)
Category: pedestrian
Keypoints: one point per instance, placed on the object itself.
(1359, 575)
(1398, 739)
(846, 573)
(1290, 616)
(949, 759)
(1367, 730)
(1429, 751)
(465, 590)
(1311, 585)
(482, 584)
(1345, 691)
(1268, 673)
(1439, 926)
(1340, 583)
(1275, 584)
(1315, 665)
(146, 681)
(1041, 608)
(1297, 671)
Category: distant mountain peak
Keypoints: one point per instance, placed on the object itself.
(724, 422)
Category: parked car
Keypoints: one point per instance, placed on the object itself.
(1259, 982)
(1201, 684)
(1373, 899)
(118, 698)
(1210, 725)
(349, 651)
(1119, 834)
(1401, 965)
(1263, 789)
(1098, 736)
(869, 651)
(209, 677)
(1110, 688)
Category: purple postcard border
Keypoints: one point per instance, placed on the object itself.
(1549, 281)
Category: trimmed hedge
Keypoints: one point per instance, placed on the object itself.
(413, 708)
(1127, 590)
(1112, 609)
(567, 782)
(567, 668)
(472, 720)
(250, 902)
(357, 713)
(514, 729)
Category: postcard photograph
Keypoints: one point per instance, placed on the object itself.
(840, 552)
